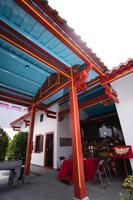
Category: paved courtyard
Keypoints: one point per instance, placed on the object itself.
(45, 186)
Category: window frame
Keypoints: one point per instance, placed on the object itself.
(41, 143)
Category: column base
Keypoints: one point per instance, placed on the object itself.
(85, 198)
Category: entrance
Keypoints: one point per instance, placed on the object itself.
(49, 150)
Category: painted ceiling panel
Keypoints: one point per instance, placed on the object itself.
(54, 97)
(91, 94)
(13, 71)
(39, 66)
(17, 83)
(99, 109)
(92, 74)
(16, 17)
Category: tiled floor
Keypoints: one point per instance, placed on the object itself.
(45, 186)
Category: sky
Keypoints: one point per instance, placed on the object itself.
(105, 25)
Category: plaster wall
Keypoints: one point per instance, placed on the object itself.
(48, 125)
(124, 89)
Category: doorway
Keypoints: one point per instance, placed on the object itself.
(49, 150)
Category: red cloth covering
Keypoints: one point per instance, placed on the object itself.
(90, 167)
(66, 169)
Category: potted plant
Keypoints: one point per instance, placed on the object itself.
(128, 184)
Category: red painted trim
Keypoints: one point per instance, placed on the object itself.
(49, 133)
(52, 92)
(15, 97)
(88, 103)
(32, 49)
(13, 101)
(22, 118)
(51, 116)
(53, 14)
(111, 93)
(77, 156)
(16, 128)
(29, 143)
(117, 73)
(14, 91)
(46, 22)
(66, 96)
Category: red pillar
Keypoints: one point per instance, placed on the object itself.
(29, 143)
(78, 167)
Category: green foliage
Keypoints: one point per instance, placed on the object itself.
(4, 139)
(17, 147)
(128, 184)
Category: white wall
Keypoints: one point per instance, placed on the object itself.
(46, 126)
(64, 132)
(124, 89)
(23, 127)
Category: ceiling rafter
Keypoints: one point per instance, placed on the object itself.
(24, 44)
(50, 92)
(13, 101)
(53, 14)
(15, 92)
(15, 97)
(65, 97)
(88, 103)
(50, 83)
(47, 23)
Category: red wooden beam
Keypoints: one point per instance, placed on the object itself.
(88, 103)
(15, 98)
(79, 80)
(48, 23)
(66, 96)
(51, 92)
(29, 143)
(117, 73)
(14, 91)
(53, 14)
(20, 119)
(6, 99)
(80, 191)
(111, 93)
(16, 128)
(33, 50)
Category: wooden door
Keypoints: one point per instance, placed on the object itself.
(49, 150)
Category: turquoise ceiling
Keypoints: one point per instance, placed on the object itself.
(21, 72)
(24, 74)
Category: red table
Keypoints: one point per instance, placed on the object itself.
(66, 169)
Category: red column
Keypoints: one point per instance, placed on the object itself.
(29, 143)
(78, 167)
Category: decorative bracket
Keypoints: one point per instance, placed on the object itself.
(111, 92)
(81, 77)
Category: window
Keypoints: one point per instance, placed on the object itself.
(41, 117)
(39, 143)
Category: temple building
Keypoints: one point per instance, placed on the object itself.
(74, 101)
